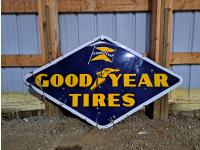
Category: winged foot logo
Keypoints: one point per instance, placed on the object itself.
(101, 77)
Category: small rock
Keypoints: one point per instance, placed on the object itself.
(25, 120)
(196, 147)
(143, 132)
(187, 113)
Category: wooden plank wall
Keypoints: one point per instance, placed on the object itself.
(30, 6)
(186, 39)
(48, 27)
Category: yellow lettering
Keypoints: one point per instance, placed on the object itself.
(112, 100)
(41, 83)
(128, 99)
(57, 80)
(71, 80)
(85, 80)
(74, 99)
(86, 100)
(128, 82)
(98, 100)
(145, 80)
(160, 79)
(115, 79)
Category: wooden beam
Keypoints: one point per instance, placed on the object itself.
(165, 51)
(21, 102)
(44, 30)
(74, 6)
(155, 30)
(34, 60)
(21, 60)
(185, 58)
(186, 5)
(153, 110)
(154, 52)
(160, 49)
(30, 6)
(49, 30)
(168, 14)
(103, 5)
(19, 6)
(49, 39)
(55, 37)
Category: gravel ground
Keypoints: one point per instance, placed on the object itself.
(135, 133)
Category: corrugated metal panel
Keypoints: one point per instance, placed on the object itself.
(106, 24)
(19, 36)
(3, 81)
(131, 29)
(195, 69)
(9, 35)
(186, 38)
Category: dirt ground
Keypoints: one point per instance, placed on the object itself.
(135, 133)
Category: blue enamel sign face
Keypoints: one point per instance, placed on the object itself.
(102, 81)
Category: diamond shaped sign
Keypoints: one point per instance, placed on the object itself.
(102, 81)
